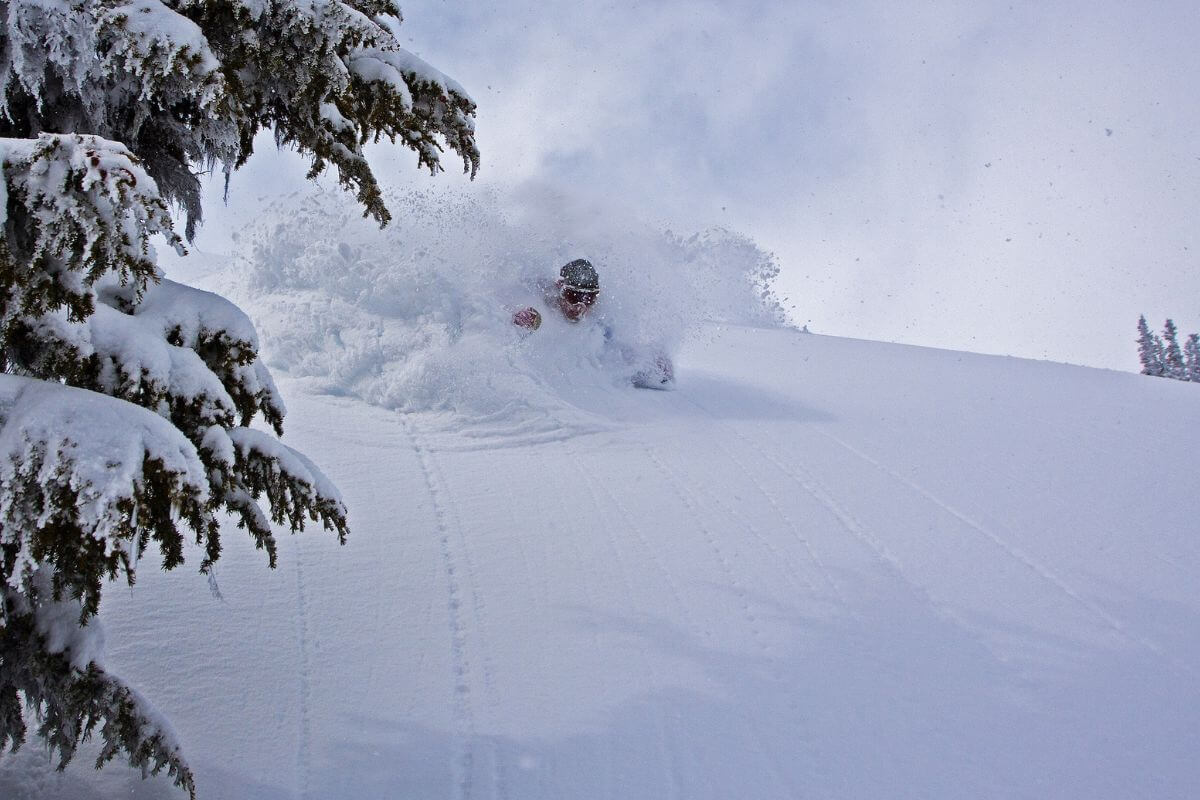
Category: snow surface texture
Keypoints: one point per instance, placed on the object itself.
(820, 568)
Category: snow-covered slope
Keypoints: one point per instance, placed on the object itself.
(820, 568)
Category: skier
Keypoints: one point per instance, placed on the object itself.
(574, 294)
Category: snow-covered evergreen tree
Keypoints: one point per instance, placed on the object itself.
(1191, 358)
(1150, 349)
(126, 399)
(1163, 357)
(1172, 358)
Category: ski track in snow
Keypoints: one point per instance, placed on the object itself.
(454, 534)
(1038, 567)
(593, 620)
(784, 565)
(669, 580)
(812, 486)
(689, 503)
(688, 497)
(666, 748)
(787, 520)
(304, 737)
(1009, 550)
(849, 523)
(464, 712)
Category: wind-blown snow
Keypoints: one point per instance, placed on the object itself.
(417, 316)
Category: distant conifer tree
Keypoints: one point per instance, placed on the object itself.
(1172, 354)
(1150, 349)
(1191, 358)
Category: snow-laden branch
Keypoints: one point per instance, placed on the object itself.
(44, 43)
(156, 41)
(187, 84)
(55, 666)
(295, 488)
(76, 208)
(126, 399)
(88, 480)
(137, 71)
(225, 339)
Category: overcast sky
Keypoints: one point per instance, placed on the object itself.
(1002, 177)
(1012, 177)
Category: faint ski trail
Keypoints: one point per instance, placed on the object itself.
(593, 623)
(479, 615)
(668, 579)
(817, 561)
(689, 502)
(667, 753)
(1015, 553)
(852, 525)
(447, 513)
(791, 573)
(700, 633)
(464, 715)
(748, 722)
(304, 745)
(532, 577)
(773, 761)
(813, 488)
(751, 723)
(696, 630)
(1016, 476)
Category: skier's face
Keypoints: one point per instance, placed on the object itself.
(574, 303)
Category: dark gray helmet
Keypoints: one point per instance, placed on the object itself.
(580, 275)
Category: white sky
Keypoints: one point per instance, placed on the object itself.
(1000, 177)
(854, 140)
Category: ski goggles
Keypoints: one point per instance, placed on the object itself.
(579, 296)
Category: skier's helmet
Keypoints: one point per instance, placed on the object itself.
(580, 276)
